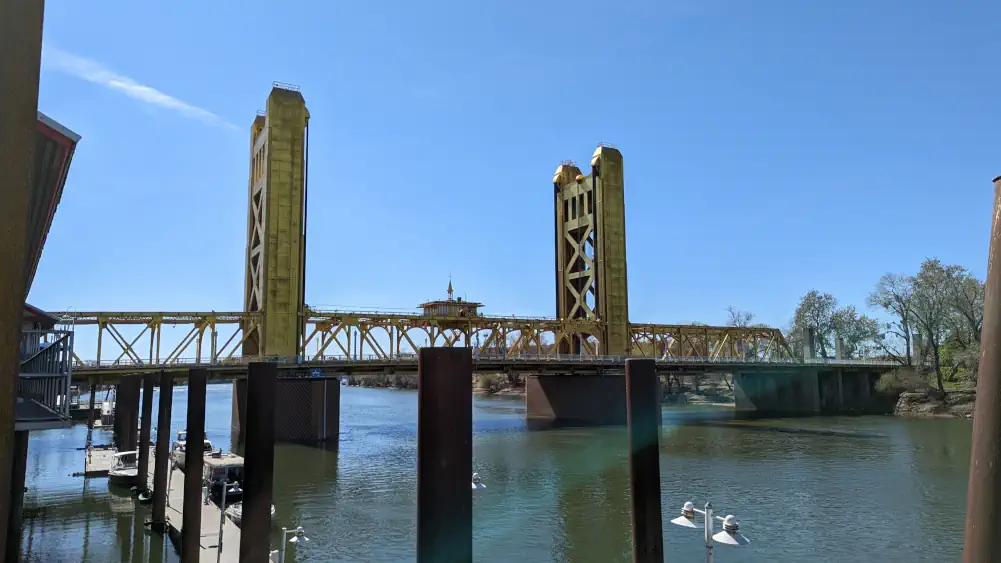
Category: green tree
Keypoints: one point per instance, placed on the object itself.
(857, 332)
(815, 310)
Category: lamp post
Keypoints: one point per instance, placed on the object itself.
(729, 536)
(298, 535)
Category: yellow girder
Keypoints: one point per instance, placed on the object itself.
(383, 335)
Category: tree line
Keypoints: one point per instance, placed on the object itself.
(934, 321)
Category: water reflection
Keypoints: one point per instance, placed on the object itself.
(832, 489)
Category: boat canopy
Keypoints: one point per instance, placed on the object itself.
(120, 455)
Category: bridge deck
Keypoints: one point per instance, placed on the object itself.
(290, 368)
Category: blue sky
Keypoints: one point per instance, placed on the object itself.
(770, 147)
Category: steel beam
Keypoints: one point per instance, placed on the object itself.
(983, 500)
(643, 422)
(161, 460)
(259, 464)
(191, 527)
(444, 455)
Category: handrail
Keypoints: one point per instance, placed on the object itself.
(46, 367)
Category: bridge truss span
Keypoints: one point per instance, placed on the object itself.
(158, 338)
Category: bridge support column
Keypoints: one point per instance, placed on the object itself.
(144, 432)
(784, 393)
(306, 411)
(587, 400)
(162, 457)
(856, 390)
(126, 413)
(16, 506)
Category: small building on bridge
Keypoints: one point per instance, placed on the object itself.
(451, 307)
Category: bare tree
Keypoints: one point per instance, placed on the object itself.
(738, 318)
(894, 293)
(966, 297)
(932, 300)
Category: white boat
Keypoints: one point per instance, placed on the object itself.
(235, 513)
(478, 482)
(124, 468)
(177, 449)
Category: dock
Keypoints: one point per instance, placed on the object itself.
(211, 515)
(98, 463)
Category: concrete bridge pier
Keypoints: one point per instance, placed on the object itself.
(307, 411)
(777, 393)
(585, 400)
(845, 390)
(804, 390)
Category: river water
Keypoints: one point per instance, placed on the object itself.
(881, 490)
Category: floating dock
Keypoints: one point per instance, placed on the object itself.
(98, 462)
(211, 517)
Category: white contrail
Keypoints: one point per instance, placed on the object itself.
(93, 71)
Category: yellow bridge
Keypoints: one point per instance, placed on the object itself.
(384, 336)
(592, 316)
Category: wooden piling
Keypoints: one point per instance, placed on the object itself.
(144, 431)
(259, 459)
(444, 455)
(983, 500)
(162, 457)
(643, 422)
(193, 462)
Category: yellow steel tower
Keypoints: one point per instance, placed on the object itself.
(276, 239)
(590, 232)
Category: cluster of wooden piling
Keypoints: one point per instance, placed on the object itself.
(445, 453)
(184, 490)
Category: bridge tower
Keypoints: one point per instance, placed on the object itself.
(275, 277)
(590, 237)
(276, 237)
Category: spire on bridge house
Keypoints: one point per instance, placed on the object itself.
(451, 306)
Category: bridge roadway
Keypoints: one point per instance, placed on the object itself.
(333, 367)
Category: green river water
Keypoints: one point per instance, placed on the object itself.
(886, 490)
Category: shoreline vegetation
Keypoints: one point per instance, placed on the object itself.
(908, 392)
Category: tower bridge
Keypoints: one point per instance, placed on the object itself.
(591, 317)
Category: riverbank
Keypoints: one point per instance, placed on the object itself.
(931, 403)
(488, 384)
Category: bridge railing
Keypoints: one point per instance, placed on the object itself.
(407, 358)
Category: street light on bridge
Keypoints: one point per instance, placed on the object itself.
(729, 536)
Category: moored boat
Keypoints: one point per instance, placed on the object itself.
(235, 513)
(179, 447)
(124, 469)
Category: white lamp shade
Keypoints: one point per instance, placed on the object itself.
(734, 539)
(685, 522)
